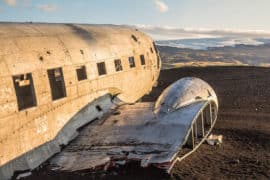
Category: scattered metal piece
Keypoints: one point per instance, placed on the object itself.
(24, 175)
(214, 139)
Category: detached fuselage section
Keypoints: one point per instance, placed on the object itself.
(150, 134)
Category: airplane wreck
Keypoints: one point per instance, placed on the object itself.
(56, 78)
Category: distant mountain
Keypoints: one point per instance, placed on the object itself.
(205, 43)
(251, 55)
(204, 47)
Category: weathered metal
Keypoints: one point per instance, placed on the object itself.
(32, 131)
(144, 132)
(56, 78)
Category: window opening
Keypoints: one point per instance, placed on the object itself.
(101, 68)
(118, 65)
(131, 62)
(81, 73)
(57, 83)
(25, 91)
(142, 59)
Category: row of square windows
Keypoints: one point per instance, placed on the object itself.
(25, 90)
(118, 65)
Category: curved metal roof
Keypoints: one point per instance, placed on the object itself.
(27, 46)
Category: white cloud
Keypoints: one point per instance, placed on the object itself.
(171, 33)
(161, 6)
(10, 2)
(47, 7)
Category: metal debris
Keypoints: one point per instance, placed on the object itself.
(147, 133)
(214, 140)
(23, 175)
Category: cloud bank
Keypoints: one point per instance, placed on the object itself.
(204, 38)
(171, 33)
(161, 6)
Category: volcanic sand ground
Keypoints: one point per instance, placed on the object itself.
(244, 122)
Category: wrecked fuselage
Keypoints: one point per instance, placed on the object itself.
(56, 78)
(152, 134)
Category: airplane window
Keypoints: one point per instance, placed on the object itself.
(81, 73)
(57, 83)
(131, 62)
(101, 68)
(25, 91)
(158, 62)
(142, 59)
(134, 38)
(82, 52)
(118, 65)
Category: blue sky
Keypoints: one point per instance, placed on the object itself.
(211, 14)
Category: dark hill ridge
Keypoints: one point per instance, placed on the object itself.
(238, 55)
